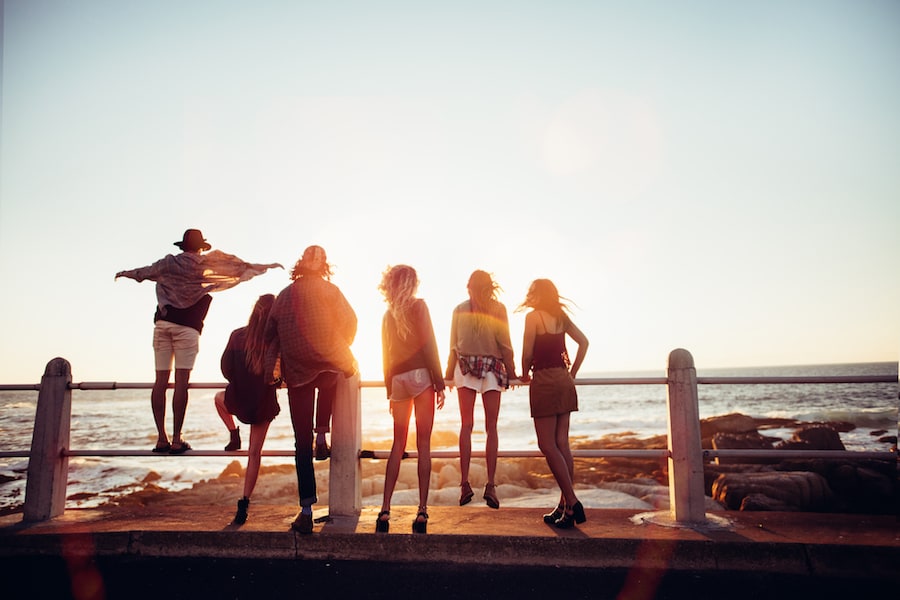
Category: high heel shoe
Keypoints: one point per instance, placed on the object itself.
(490, 495)
(571, 516)
(578, 513)
(552, 517)
(240, 517)
(466, 494)
(383, 525)
(421, 526)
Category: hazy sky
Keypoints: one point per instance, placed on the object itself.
(718, 176)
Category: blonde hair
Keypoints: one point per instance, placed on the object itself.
(255, 346)
(398, 285)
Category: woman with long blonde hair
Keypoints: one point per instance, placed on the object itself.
(481, 361)
(250, 395)
(412, 376)
(552, 394)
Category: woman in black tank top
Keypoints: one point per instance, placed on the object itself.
(552, 394)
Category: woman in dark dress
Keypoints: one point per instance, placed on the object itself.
(249, 396)
(552, 395)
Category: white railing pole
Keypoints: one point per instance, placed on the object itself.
(48, 466)
(345, 477)
(686, 497)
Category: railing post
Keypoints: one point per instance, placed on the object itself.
(48, 466)
(686, 498)
(345, 477)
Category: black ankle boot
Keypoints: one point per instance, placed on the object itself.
(235, 443)
(240, 517)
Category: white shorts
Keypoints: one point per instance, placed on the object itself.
(488, 384)
(178, 342)
(410, 384)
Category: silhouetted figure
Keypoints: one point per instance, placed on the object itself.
(552, 393)
(311, 327)
(183, 284)
(250, 395)
(412, 376)
(481, 361)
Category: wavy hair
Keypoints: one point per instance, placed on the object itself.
(543, 295)
(398, 285)
(255, 347)
(313, 262)
(482, 291)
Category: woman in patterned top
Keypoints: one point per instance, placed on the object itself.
(481, 361)
(412, 376)
(552, 391)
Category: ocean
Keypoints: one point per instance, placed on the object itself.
(121, 419)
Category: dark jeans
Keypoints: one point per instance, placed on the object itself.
(302, 401)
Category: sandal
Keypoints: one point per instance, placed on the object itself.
(466, 493)
(180, 449)
(164, 449)
(421, 526)
(383, 525)
(490, 495)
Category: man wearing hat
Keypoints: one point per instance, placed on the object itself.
(183, 284)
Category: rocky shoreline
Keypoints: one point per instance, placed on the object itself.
(837, 486)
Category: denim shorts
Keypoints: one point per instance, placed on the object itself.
(178, 342)
(410, 384)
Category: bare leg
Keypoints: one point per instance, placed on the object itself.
(258, 433)
(491, 401)
(158, 405)
(546, 430)
(400, 411)
(179, 403)
(226, 416)
(424, 424)
(467, 419)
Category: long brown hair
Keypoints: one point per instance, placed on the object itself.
(543, 295)
(255, 347)
(482, 291)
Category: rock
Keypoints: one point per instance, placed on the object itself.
(762, 502)
(731, 423)
(804, 491)
(813, 437)
(751, 440)
(888, 439)
(878, 432)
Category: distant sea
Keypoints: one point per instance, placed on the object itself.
(121, 419)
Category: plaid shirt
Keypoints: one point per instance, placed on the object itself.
(311, 326)
(183, 279)
(479, 366)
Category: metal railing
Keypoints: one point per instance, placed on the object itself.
(49, 454)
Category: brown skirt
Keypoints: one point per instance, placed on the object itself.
(552, 392)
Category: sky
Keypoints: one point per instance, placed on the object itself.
(716, 176)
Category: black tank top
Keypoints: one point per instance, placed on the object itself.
(192, 316)
(550, 350)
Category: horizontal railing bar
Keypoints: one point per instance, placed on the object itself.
(798, 379)
(790, 454)
(118, 385)
(593, 453)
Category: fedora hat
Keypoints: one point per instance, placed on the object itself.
(192, 241)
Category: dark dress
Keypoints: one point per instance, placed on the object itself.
(248, 396)
(552, 390)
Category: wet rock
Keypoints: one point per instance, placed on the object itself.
(813, 437)
(803, 491)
